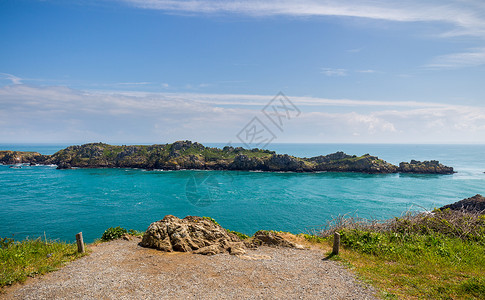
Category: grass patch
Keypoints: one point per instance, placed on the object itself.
(418, 256)
(211, 219)
(29, 258)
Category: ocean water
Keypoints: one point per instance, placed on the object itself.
(41, 200)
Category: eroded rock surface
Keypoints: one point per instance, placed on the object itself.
(273, 239)
(191, 234)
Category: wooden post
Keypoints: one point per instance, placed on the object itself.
(80, 243)
(336, 243)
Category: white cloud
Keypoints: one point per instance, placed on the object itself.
(474, 57)
(466, 16)
(60, 114)
(461, 17)
(334, 72)
(368, 71)
(134, 83)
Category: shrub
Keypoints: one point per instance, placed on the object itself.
(5, 243)
(113, 233)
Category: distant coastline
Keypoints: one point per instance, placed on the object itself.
(192, 155)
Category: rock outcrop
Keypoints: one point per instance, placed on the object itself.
(19, 157)
(272, 239)
(191, 234)
(475, 204)
(425, 167)
(341, 162)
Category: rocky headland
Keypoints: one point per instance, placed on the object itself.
(190, 155)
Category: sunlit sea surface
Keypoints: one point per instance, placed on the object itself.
(41, 200)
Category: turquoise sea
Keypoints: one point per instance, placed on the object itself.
(60, 203)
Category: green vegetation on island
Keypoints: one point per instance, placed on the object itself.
(189, 155)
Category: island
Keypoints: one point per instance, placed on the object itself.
(195, 156)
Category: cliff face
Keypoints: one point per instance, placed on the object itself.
(189, 155)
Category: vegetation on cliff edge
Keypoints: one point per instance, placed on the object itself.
(29, 258)
(437, 255)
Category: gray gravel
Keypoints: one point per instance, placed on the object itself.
(123, 270)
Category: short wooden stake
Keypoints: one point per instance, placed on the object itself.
(336, 243)
(80, 243)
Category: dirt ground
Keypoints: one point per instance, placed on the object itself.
(123, 270)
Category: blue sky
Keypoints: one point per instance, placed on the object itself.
(155, 71)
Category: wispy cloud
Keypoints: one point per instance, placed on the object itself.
(14, 79)
(368, 71)
(134, 83)
(356, 50)
(334, 72)
(474, 57)
(468, 17)
(461, 17)
(59, 114)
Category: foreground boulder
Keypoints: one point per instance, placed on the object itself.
(191, 234)
(475, 204)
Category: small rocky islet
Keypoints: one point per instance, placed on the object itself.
(192, 155)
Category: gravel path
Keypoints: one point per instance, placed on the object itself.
(123, 270)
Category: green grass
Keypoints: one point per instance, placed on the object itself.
(429, 266)
(420, 256)
(29, 258)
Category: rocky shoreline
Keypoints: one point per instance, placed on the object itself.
(190, 155)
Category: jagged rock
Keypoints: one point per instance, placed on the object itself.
(473, 204)
(284, 162)
(425, 167)
(190, 234)
(64, 166)
(273, 239)
(244, 162)
(331, 157)
(341, 162)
